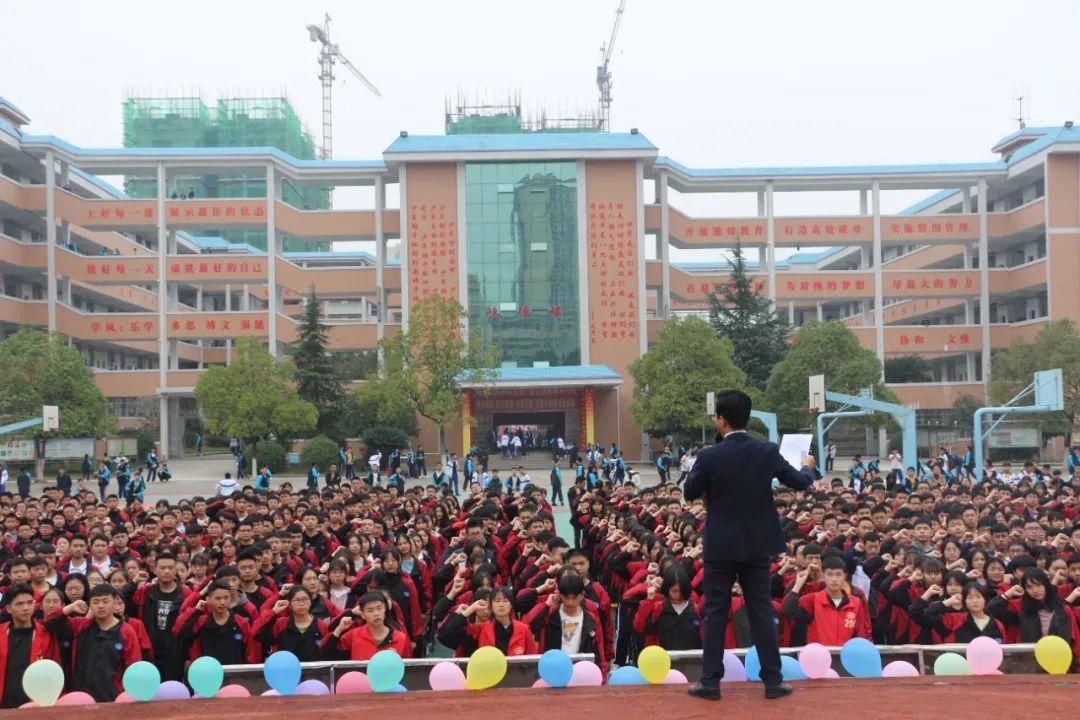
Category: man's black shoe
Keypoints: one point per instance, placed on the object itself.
(703, 691)
(778, 691)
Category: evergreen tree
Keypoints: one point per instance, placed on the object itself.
(758, 334)
(316, 377)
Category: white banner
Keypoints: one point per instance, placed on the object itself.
(1020, 437)
(16, 450)
(67, 448)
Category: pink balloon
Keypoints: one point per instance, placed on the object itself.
(540, 684)
(271, 693)
(831, 675)
(233, 691)
(351, 683)
(30, 704)
(815, 660)
(446, 676)
(674, 677)
(124, 698)
(984, 655)
(733, 668)
(899, 668)
(586, 674)
(76, 698)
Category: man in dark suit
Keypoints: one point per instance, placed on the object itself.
(742, 533)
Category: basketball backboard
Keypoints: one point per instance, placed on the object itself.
(50, 417)
(1049, 390)
(817, 392)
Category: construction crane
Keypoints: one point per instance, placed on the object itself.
(603, 74)
(330, 54)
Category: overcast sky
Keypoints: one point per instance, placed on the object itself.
(712, 83)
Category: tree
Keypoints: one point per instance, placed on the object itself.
(38, 368)
(322, 451)
(376, 401)
(253, 397)
(1056, 346)
(830, 349)
(738, 311)
(908, 369)
(316, 378)
(672, 378)
(352, 365)
(427, 362)
(963, 410)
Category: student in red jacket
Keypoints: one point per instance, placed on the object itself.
(361, 642)
(960, 618)
(23, 640)
(511, 636)
(212, 628)
(833, 615)
(103, 646)
(566, 622)
(288, 625)
(667, 616)
(1034, 610)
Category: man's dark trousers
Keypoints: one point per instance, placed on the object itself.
(753, 577)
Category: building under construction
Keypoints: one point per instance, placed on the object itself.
(189, 122)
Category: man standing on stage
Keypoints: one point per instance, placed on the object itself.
(742, 533)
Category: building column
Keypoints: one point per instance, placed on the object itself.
(770, 238)
(984, 283)
(380, 256)
(820, 312)
(862, 202)
(403, 200)
(271, 257)
(664, 301)
(965, 200)
(967, 257)
(969, 360)
(969, 311)
(163, 302)
(879, 299)
(791, 313)
(50, 237)
(583, 263)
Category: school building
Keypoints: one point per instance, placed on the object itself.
(559, 244)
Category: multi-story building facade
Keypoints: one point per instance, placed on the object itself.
(558, 244)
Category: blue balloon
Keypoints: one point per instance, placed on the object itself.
(398, 688)
(385, 670)
(556, 668)
(627, 675)
(791, 669)
(282, 672)
(753, 665)
(860, 658)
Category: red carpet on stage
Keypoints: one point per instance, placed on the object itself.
(959, 698)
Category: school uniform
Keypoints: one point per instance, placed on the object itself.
(829, 622)
(19, 647)
(98, 657)
(662, 624)
(515, 639)
(357, 643)
(200, 634)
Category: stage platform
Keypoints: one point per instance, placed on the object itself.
(958, 698)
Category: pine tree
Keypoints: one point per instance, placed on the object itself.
(316, 379)
(758, 334)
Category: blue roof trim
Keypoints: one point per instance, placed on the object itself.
(13, 108)
(101, 184)
(508, 142)
(833, 170)
(204, 152)
(932, 200)
(565, 372)
(9, 128)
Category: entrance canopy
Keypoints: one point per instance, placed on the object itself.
(550, 377)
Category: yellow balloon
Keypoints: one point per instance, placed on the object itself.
(1054, 655)
(43, 681)
(654, 664)
(486, 668)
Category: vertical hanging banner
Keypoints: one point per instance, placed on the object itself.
(589, 403)
(466, 426)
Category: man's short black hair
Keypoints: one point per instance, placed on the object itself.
(17, 589)
(570, 583)
(833, 563)
(103, 590)
(734, 406)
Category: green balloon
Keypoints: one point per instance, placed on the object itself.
(141, 681)
(205, 676)
(43, 682)
(951, 664)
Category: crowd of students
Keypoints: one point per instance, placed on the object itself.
(344, 571)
